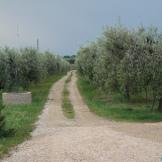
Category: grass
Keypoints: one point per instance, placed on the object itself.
(114, 106)
(67, 106)
(21, 118)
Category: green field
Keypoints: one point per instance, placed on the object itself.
(21, 118)
(114, 107)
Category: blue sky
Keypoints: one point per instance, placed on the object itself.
(62, 26)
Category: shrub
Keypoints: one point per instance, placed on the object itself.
(2, 121)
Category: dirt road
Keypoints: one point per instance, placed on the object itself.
(87, 138)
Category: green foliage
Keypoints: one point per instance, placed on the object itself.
(3, 69)
(20, 68)
(2, 121)
(50, 63)
(13, 69)
(30, 67)
(86, 61)
(124, 61)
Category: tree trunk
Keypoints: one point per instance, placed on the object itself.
(160, 105)
(153, 103)
(127, 93)
(146, 95)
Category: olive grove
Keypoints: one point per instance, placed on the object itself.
(20, 68)
(125, 61)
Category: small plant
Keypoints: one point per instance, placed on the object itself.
(2, 121)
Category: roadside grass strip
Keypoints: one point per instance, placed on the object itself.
(67, 106)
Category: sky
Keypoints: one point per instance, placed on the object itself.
(63, 26)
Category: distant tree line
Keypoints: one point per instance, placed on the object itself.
(125, 61)
(70, 59)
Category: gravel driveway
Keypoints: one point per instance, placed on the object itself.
(87, 138)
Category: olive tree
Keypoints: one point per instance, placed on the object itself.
(30, 67)
(13, 74)
(3, 69)
(86, 61)
(50, 63)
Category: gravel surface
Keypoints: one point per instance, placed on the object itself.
(87, 138)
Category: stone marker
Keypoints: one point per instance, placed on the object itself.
(17, 98)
